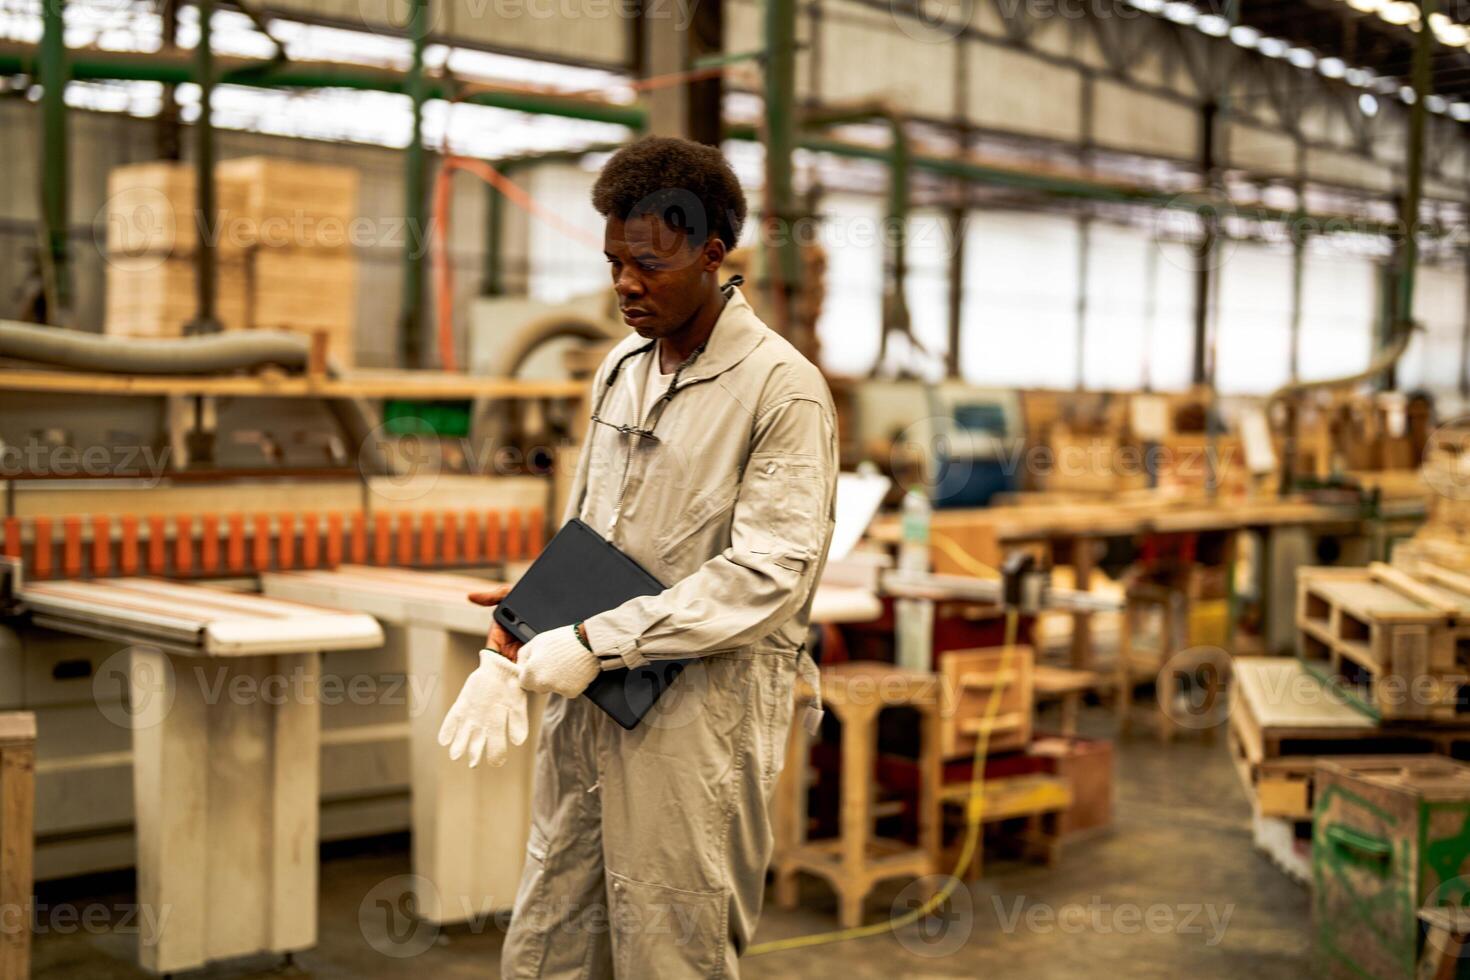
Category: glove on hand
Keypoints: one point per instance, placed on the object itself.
(490, 707)
(556, 662)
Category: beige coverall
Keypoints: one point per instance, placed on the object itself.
(648, 848)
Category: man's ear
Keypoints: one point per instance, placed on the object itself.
(714, 253)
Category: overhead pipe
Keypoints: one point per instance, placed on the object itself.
(91, 65)
(219, 353)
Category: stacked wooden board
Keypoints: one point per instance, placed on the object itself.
(1283, 720)
(283, 233)
(1396, 643)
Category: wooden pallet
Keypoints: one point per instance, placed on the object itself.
(1398, 644)
(1283, 720)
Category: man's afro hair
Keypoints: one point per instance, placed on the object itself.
(687, 184)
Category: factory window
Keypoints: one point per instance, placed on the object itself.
(1253, 318)
(852, 233)
(560, 266)
(1020, 300)
(1339, 311)
(1139, 324)
(1437, 353)
(926, 287)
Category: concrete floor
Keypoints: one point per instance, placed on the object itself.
(1175, 889)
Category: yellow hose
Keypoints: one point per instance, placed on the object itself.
(974, 812)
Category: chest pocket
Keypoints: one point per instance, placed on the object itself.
(702, 513)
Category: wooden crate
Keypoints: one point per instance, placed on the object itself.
(1391, 835)
(151, 296)
(968, 678)
(1397, 642)
(292, 205)
(307, 292)
(1087, 767)
(152, 210)
(17, 833)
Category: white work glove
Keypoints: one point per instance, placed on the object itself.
(556, 662)
(491, 707)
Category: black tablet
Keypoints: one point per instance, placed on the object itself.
(578, 575)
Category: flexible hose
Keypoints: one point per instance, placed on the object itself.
(218, 353)
(206, 354)
(974, 822)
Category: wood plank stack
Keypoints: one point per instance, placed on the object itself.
(1395, 643)
(283, 243)
(1283, 721)
(152, 233)
(1445, 537)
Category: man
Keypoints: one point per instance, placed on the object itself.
(712, 461)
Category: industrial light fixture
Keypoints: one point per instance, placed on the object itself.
(1213, 25)
(1246, 37)
(1400, 13)
(1181, 13)
(1302, 58)
(1368, 105)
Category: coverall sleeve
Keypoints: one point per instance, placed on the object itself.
(782, 524)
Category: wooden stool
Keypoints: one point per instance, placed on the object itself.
(856, 860)
(1065, 685)
(1134, 664)
(17, 833)
(1039, 798)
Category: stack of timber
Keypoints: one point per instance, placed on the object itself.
(1445, 537)
(1397, 644)
(153, 235)
(282, 232)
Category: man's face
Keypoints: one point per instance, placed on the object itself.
(660, 276)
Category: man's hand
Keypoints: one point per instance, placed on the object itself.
(498, 639)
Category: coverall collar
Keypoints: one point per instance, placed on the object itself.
(737, 332)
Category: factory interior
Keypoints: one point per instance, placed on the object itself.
(1065, 572)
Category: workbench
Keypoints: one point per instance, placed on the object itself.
(1077, 527)
(224, 710)
(469, 826)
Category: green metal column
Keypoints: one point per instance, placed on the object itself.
(896, 302)
(56, 264)
(1422, 78)
(492, 277)
(205, 266)
(411, 316)
(780, 109)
